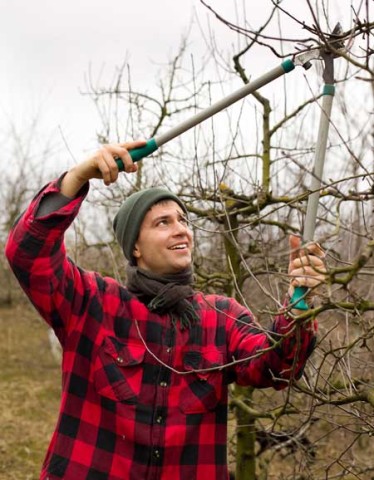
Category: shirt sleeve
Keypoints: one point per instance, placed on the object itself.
(268, 357)
(36, 253)
(51, 203)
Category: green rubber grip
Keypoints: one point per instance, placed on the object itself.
(288, 65)
(298, 299)
(328, 89)
(138, 153)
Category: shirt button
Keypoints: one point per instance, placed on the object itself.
(163, 384)
(119, 359)
(159, 419)
(156, 453)
(168, 350)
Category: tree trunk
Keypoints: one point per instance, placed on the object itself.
(246, 438)
(245, 423)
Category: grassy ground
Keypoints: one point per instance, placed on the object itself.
(29, 399)
(29, 393)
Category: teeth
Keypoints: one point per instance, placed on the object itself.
(178, 247)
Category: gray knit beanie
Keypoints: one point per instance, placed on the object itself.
(130, 216)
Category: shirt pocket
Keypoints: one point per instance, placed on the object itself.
(118, 370)
(201, 388)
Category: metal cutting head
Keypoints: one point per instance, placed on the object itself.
(326, 53)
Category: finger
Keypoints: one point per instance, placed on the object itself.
(315, 249)
(112, 165)
(308, 260)
(129, 165)
(294, 242)
(119, 151)
(134, 144)
(306, 277)
(312, 282)
(109, 168)
(307, 270)
(308, 283)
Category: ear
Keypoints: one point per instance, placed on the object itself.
(136, 251)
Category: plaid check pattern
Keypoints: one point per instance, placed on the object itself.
(141, 399)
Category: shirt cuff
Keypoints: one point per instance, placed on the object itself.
(57, 218)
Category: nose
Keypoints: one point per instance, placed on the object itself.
(181, 228)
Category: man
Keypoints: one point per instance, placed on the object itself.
(145, 366)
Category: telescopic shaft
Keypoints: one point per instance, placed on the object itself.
(154, 143)
(298, 298)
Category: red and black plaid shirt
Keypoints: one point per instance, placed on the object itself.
(140, 399)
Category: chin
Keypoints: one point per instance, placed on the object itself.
(180, 268)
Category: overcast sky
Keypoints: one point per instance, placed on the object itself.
(47, 47)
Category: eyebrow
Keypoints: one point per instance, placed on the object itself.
(168, 216)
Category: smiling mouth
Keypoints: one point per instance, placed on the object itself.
(182, 246)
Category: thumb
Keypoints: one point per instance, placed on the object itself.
(294, 242)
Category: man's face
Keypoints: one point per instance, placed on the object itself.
(165, 242)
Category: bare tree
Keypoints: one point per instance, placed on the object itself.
(245, 197)
(23, 171)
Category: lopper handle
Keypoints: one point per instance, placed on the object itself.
(298, 298)
(152, 144)
(138, 153)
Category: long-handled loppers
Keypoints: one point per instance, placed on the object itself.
(327, 55)
(154, 143)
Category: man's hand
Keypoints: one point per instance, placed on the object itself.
(101, 164)
(307, 266)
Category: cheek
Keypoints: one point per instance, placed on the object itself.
(190, 237)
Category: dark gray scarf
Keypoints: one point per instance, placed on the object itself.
(164, 293)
